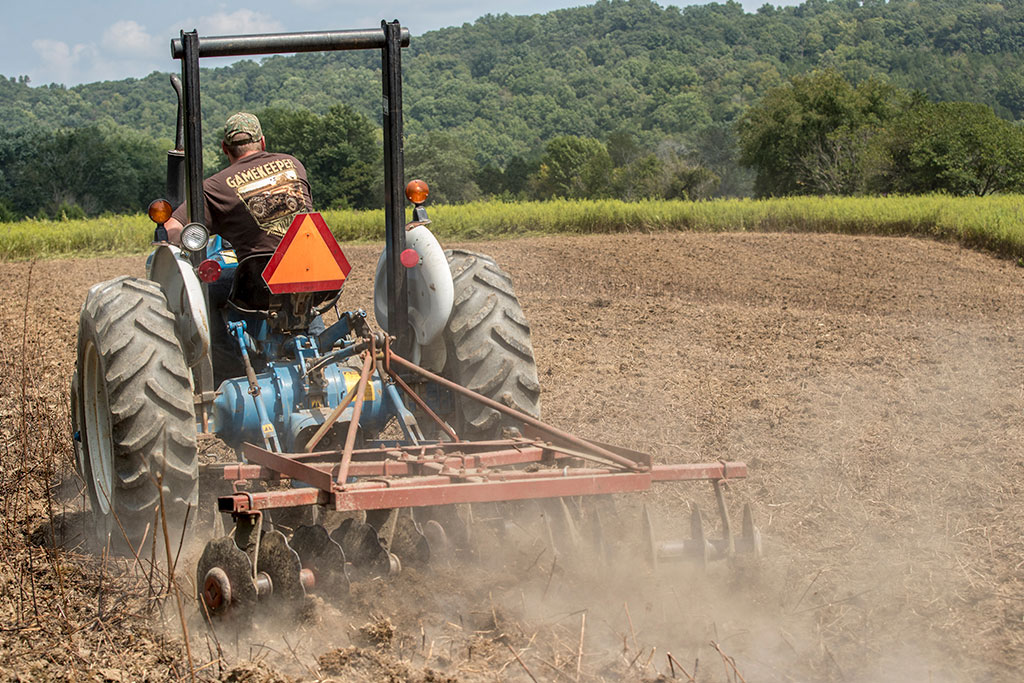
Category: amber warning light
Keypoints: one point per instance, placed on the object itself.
(159, 211)
(308, 259)
(417, 191)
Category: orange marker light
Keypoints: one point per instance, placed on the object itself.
(159, 211)
(417, 191)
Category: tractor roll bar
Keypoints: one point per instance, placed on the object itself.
(390, 38)
(276, 43)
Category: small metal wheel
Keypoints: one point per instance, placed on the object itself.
(320, 553)
(437, 539)
(364, 549)
(281, 563)
(750, 541)
(401, 534)
(224, 579)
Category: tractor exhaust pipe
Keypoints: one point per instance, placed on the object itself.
(175, 189)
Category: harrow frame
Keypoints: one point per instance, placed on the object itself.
(238, 570)
(392, 475)
(447, 473)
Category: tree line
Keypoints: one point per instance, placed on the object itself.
(97, 169)
(817, 134)
(635, 99)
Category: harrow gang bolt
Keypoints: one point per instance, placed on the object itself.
(264, 586)
(217, 590)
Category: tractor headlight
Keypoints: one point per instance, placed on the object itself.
(194, 236)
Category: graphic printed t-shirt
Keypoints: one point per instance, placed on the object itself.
(252, 202)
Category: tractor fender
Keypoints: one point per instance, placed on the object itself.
(431, 291)
(170, 267)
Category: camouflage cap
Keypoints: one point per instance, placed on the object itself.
(242, 128)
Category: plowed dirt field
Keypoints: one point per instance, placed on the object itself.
(874, 387)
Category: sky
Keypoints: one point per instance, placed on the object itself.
(81, 41)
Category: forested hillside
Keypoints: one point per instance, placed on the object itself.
(639, 78)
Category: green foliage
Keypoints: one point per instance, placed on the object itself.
(509, 84)
(505, 86)
(815, 134)
(7, 214)
(79, 171)
(446, 162)
(956, 147)
(820, 134)
(574, 167)
(339, 150)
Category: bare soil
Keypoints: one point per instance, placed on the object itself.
(874, 387)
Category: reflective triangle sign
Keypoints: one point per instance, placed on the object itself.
(308, 259)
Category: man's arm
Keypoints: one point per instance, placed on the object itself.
(174, 227)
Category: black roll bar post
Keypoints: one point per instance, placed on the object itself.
(394, 188)
(193, 132)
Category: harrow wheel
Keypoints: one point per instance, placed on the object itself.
(224, 579)
(446, 529)
(698, 549)
(401, 535)
(562, 533)
(282, 565)
(364, 549)
(437, 538)
(319, 553)
(750, 541)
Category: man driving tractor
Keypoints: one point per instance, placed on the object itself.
(250, 204)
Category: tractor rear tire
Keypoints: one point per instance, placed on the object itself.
(488, 348)
(135, 416)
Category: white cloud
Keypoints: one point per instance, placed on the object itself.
(125, 50)
(239, 22)
(127, 37)
(55, 53)
(61, 61)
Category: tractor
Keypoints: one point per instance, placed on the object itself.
(400, 429)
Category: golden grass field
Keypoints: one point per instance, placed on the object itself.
(994, 223)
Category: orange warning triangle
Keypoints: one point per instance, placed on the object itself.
(308, 259)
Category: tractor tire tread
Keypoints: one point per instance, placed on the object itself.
(489, 339)
(149, 395)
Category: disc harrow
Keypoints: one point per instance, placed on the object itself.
(414, 505)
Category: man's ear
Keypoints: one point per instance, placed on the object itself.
(263, 143)
(224, 148)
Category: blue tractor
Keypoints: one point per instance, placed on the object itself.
(436, 407)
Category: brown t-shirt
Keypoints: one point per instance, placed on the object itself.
(252, 202)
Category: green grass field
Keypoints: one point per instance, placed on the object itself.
(992, 223)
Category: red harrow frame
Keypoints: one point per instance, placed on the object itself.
(546, 463)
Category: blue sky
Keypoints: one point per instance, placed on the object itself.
(80, 41)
